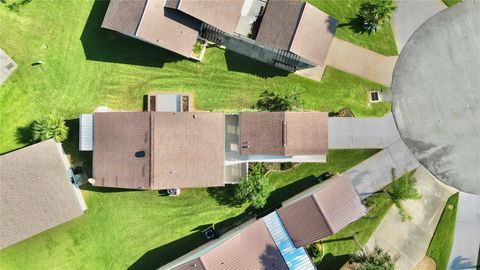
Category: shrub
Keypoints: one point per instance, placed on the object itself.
(375, 13)
(403, 189)
(273, 102)
(376, 259)
(48, 128)
(255, 189)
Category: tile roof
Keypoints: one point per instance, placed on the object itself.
(35, 192)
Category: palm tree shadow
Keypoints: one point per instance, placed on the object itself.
(356, 25)
(23, 135)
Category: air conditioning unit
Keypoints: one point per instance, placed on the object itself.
(173, 192)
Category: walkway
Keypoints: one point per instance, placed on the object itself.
(362, 132)
(7, 66)
(467, 233)
(375, 173)
(359, 61)
(409, 241)
(409, 15)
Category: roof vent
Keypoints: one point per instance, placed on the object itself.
(140, 154)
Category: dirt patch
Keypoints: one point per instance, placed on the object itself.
(426, 263)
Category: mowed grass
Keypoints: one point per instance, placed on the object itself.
(86, 66)
(345, 11)
(442, 239)
(143, 230)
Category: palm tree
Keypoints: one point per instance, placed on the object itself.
(375, 13)
(378, 259)
(49, 127)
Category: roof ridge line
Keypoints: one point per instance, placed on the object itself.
(296, 25)
(321, 212)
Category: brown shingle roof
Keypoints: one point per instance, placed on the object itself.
(283, 133)
(124, 15)
(222, 14)
(314, 35)
(252, 248)
(180, 150)
(195, 264)
(150, 21)
(329, 209)
(35, 192)
(188, 149)
(117, 137)
(279, 23)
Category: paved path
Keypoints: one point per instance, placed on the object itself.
(467, 233)
(409, 15)
(359, 61)
(374, 173)
(409, 241)
(362, 132)
(7, 66)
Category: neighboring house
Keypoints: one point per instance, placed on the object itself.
(36, 192)
(286, 33)
(168, 147)
(277, 240)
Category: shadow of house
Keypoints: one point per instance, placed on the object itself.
(330, 261)
(240, 63)
(162, 255)
(284, 193)
(109, 46)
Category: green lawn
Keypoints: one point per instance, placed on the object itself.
(85, 67)
(345, 11)
(442, 239)
(450, 3)
(143, 230)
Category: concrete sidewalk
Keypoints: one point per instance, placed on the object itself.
(7, 66)
(359, 61)
(466, 243)
(375, 173)
(409, 15)
(362, 132)
(408, 241)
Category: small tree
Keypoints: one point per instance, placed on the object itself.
(403, 189)
(378, 259)
(255, 189)
(273, 102)
(49, 127)
(375, 13)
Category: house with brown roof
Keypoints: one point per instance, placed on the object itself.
(289, 34)
(175, 149)
(36, 192)
(277, 240)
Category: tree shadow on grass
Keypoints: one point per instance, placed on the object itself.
(23, 135)
(162, 255)
(356, 25)
(240, 63)
(330, 261)
(109, 46)
(224, 195)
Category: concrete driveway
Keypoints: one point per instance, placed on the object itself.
(467, 233)
(409, 15)
(359, 61)
(374, 173)
(409, 241)
(362, 132)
